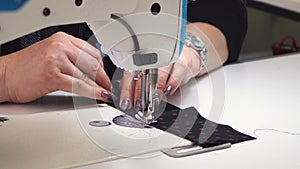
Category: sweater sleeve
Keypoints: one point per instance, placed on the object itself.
(230, 16)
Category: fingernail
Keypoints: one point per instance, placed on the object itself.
(107, 95)
(125, 104)
(138, 105)
(168, 90)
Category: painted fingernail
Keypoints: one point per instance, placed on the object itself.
(138, 104)
(107, 95)
(168, 90)
(125, 104)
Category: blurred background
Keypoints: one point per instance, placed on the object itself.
(267, 26)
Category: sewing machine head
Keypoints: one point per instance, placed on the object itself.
(138, 35)
(143, 41)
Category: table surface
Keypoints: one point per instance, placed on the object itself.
(292, 5)
(259, 98)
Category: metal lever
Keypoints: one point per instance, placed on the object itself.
(178, 152)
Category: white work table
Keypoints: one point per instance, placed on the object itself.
(286, 8)
(292, 5)
(259, 98)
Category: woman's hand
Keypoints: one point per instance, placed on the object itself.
(60, 62)
(169, 79)
(180, 72)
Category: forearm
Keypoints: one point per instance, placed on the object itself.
(215, 43)
(3, 91)
(229, 16)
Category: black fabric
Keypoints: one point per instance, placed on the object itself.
(80, 30)
(189, 124)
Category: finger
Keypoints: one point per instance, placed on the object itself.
(137, 94)
(71, 70)
(71, 84)
(83, 45)
(102, 79)
(177, 75)
(127, 89)
(163, 76)
(83, 60)
(92, 67)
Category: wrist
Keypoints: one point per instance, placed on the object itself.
(193, 60)
(197, 46)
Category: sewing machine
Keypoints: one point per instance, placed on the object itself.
(138, 35)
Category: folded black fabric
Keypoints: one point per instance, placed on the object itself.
(189, 124)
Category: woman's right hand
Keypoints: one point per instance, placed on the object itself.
(60, 62)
